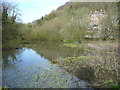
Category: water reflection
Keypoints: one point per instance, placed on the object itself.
(10, 57)
(25, 68)
(55, 50)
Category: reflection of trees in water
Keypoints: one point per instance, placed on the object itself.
(54, 50)
(10, 57)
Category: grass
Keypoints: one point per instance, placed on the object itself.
(68, 41)
(82, 46)
(100, 68)
(72, 45)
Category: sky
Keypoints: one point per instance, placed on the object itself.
(34, 9)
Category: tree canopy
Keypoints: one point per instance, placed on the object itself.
(10, 26)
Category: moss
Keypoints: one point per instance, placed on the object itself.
(68, 41)
(72, 45)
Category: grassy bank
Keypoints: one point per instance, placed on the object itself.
(99, 46)
(97, 70)
(100, 68)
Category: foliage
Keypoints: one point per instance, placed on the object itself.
(51, 27)
(10, 27)
(94, 69)
(50, 30)
(110, 24)
(25, 30)
(76, 22)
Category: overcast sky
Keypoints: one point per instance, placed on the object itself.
(34, 9)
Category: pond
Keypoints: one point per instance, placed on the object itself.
(31, 67)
